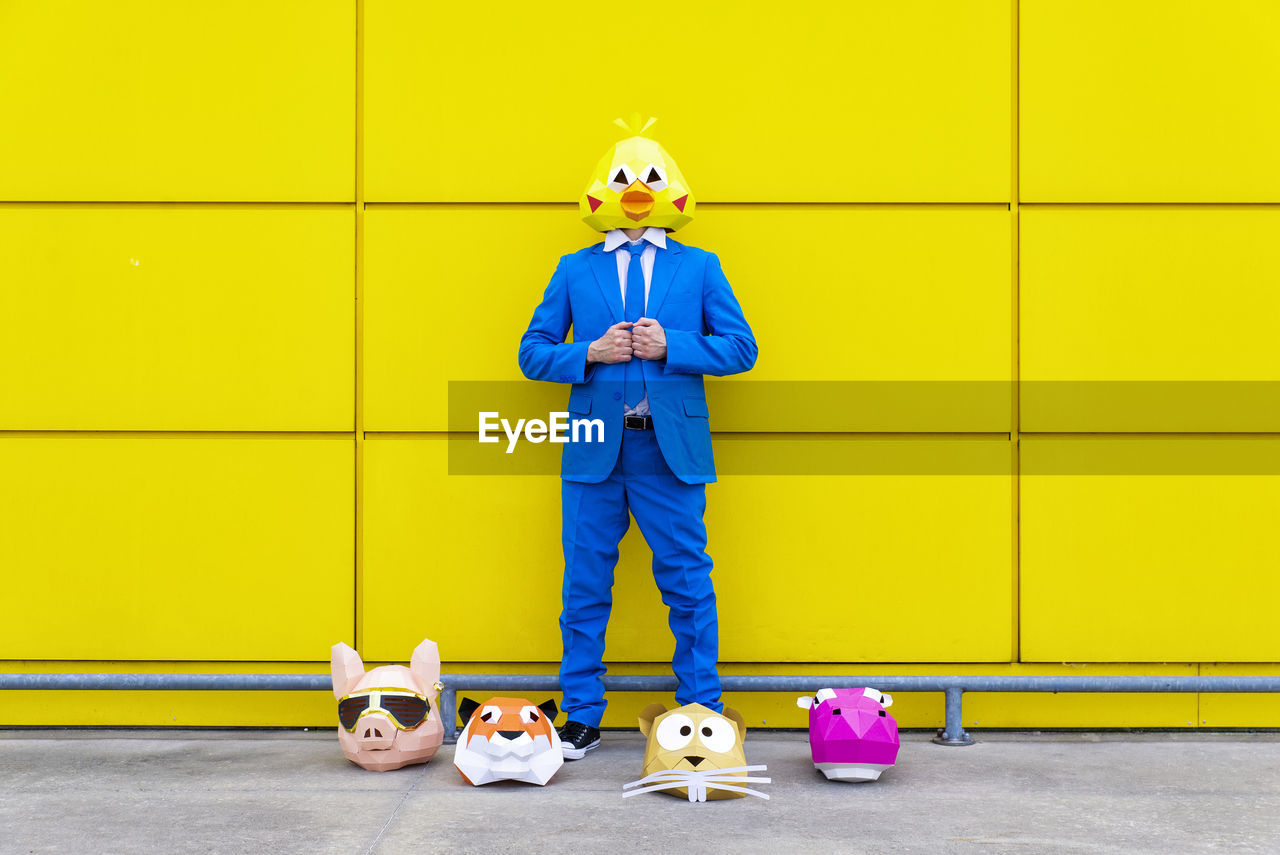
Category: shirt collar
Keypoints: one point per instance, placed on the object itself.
(617, 237)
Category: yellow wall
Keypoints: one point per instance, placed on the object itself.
(244, 249)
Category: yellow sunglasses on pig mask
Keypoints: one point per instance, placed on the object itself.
(407, 710)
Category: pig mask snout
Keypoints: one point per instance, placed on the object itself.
(375, 732)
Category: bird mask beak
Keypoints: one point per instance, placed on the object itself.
(636, 201)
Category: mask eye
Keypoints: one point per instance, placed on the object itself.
(529, 715)
(349, 710)
(718, 734)
(654, 177)
(620, 178)
(408, 711)
(675, 732)
(490, 714)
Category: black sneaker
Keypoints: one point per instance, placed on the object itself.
(576, 739)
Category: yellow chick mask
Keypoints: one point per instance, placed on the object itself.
(636, 185)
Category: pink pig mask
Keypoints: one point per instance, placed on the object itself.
(851, 735)
(388, 718)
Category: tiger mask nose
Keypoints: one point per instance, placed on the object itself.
(510, 735)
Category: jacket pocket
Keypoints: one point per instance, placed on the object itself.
(696, 407)
(579, 403)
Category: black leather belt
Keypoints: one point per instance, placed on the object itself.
(637, 422)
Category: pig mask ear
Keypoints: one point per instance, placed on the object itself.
(425, 664)
(805, 702)
(346, 667)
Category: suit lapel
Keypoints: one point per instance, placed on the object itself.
(605, 268)
(665, 265)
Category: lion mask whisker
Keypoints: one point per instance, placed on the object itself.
(698, 782)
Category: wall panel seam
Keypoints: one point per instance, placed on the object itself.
(1015, 332)
(357, 624)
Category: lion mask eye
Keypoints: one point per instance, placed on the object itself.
(718, 734)
(675, 732)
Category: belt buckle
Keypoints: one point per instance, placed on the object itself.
(634, 422)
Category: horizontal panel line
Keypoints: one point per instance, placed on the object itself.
(1150, 434)
(909, 435)
(530, 666)
(179, 434)
(212, 665)
(731, 435)
(183, 204)
(748, 435)
(1209, 205)
(132, 665)
(286, 205)
(191, 203)
(770, 204)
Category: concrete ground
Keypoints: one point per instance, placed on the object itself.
(252, 792)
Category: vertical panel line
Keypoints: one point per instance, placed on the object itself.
(1199, 721)
(1016, 448)
(357, 629)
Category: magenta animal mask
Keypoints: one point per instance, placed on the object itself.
(388, 718)
(851, 735)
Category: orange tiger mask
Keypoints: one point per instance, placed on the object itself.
(507, 739)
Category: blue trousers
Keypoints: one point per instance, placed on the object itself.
(669, 513)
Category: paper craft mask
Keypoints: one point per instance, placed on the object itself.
(850, 734)
(507, 739)
(636, 185)
(695, 753)
(388, 718)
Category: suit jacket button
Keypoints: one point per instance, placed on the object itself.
(617, 396)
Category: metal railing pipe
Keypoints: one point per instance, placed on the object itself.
(952, 686)
(168, 682)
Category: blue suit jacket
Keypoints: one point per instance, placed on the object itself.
(706, 334)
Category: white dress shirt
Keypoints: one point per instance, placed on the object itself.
(657, 239)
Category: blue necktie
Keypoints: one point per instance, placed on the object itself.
(633, 310)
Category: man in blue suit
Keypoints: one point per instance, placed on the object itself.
(649, 317)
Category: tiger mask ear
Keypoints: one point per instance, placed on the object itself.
(648, 714)
(467, 708)
(549, 708)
